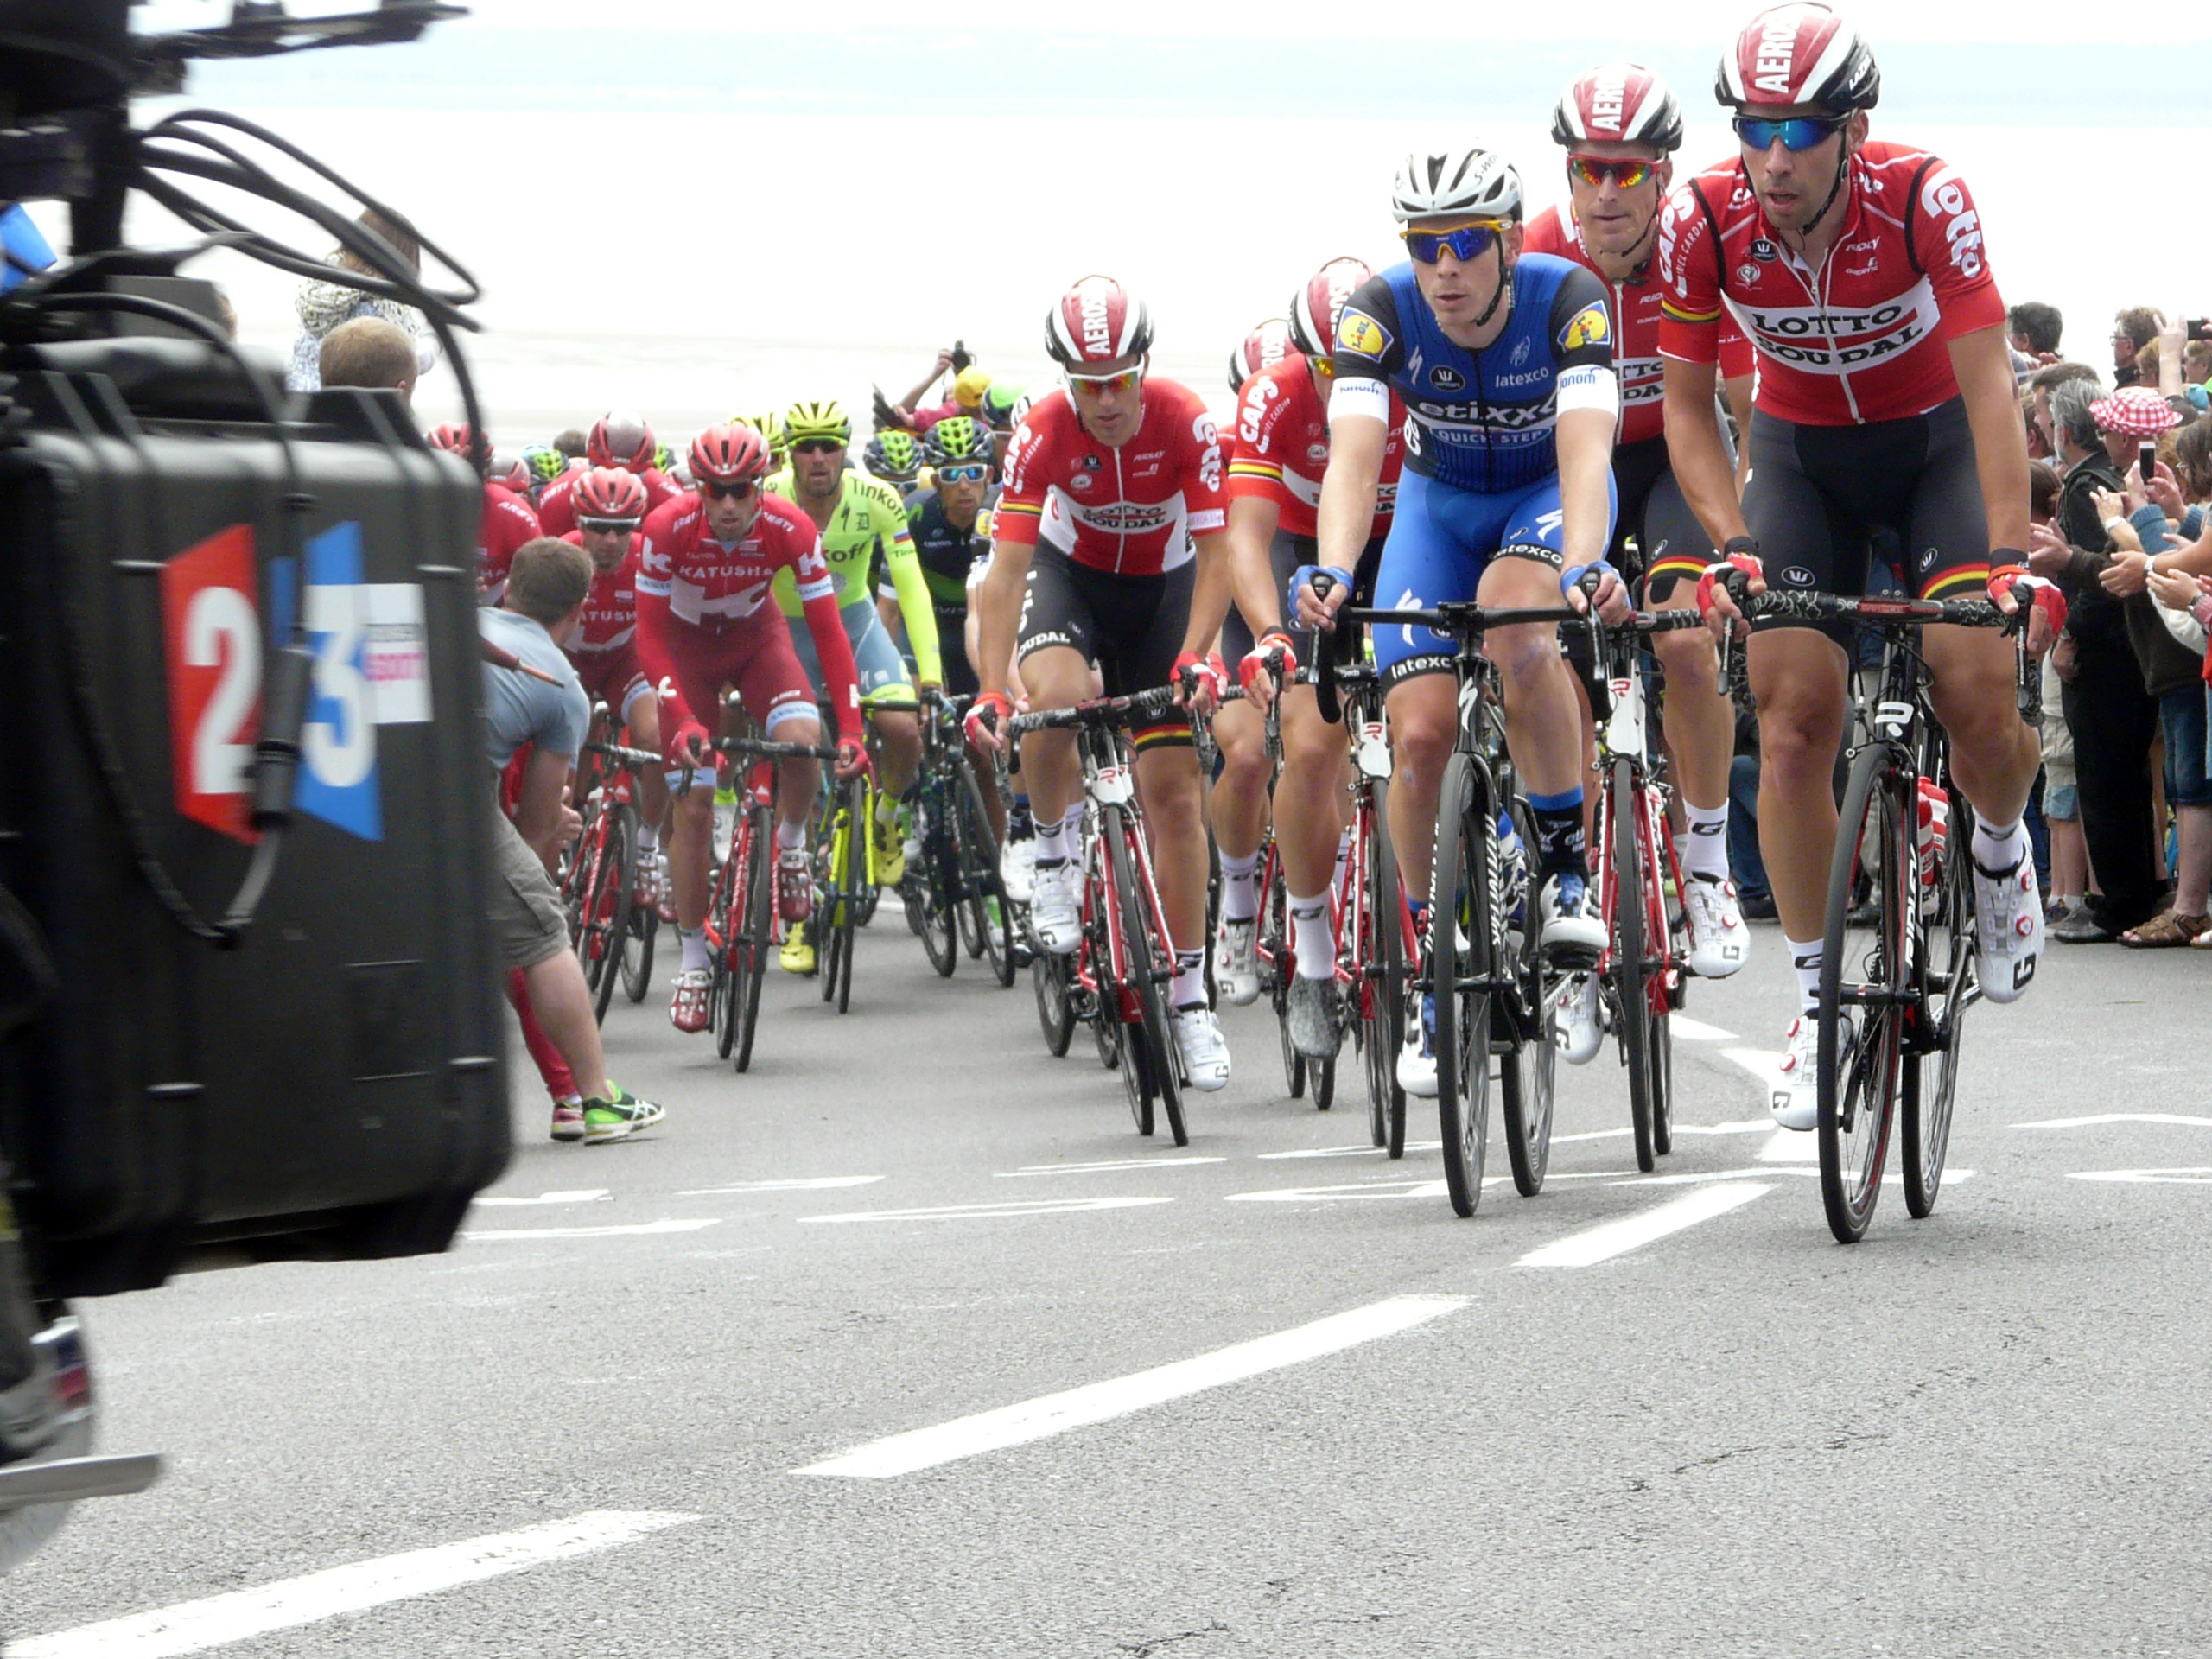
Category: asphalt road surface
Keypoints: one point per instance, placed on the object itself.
(905, 1343)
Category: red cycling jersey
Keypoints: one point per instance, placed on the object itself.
(1282, 447)
(559, 518)
(604, 648)
(1865, 337)
(506, 524)
(1636, 305)
(1130, 511)
(698, 596)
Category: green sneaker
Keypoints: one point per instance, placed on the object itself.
(625, 1115)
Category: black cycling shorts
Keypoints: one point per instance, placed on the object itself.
(1819, 496)
(1656, 519)
(1286, 553)
(1131, 626)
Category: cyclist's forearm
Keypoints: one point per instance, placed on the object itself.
(1697, 452)
(1585, 464)
(998, 603)
(1209, 591)
(918, 613)
(2000, 446)
(1252, 522)
(1346, 514)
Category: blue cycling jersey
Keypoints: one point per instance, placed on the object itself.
(1481, 421)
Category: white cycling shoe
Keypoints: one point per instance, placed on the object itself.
(1578, 1021)
(1796, 1103)
(1056, 909)
(1416, 1066)
(1720, 942)
(1018, 870)
(1236, 961)
(1204, 1049)
(2008, 929)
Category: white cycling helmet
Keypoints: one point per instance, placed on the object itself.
(1479, 183)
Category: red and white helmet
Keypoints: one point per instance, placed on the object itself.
(1618, 104)
(1097, 320)
(512, 471)
(730, 454)
(620, 441)
(453, 438)
(1265, 346)
(1800, 52)
(611, 493)
(1313, 309)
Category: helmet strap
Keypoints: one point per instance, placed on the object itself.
(1504, 288)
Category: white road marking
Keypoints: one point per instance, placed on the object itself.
(2111, 1117)
(973, 1211)
(240, 1615)
(1330, 1194)
(1590, 1134)
(1091, 1169)
(1349, 1151)
(1098, 1402)
(1697, 1030)
(585, 1195)
(1697, 1178)
(1741, 1126)
(2156, 1177)
(810, 1183)
(1612, 1238)
(640, 1229)
(1764, 1064)
(1790, 1146)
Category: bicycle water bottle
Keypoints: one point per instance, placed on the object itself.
(1931, 836)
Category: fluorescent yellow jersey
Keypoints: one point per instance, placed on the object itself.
(870, 522)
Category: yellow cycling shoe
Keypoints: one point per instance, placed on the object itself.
(889, 858)
(797, 956)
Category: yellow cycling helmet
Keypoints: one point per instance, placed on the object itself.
(817, 420)
(771, 427)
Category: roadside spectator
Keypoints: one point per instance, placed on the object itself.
(2111, 717)
(368, 351)
(2131, 330)
(969, 383)
(2035, 328)
(323, 305)
(2066, 885)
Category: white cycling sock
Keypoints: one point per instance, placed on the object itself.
(1052, 842)
(1190, 987)
(2001, 847)
(1807, 960)
(1240, 894)
(1312, 937)
(789, 835)
(694, 941)
(1704, 847)
(648, 837)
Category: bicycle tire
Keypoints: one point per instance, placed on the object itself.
(1461, 966)
(1631, 973)
(931, 909)
(721, 928)
(1528, 1079)
(639, 940)
(1151, 957)
(855, 884)
(1383, 995)
(1858, 1101)
(757, 934)
(1055, 1009)
(979, 880)
(1273, 941)
(1952, 985)
(605, 910)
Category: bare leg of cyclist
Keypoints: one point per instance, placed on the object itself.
(1700, 732)
(1237, 809)
(900, 753)
(1168, 788)
(1310, 802)
(1057, 677)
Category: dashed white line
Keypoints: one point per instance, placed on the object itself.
(582, 1195)
(2153, 1177)
(1419, 1189)
(240, 1615)
(809, 1183)
(1349, 1151)
(1697, 1030)
(1790, 1146)
(1056, 1414)
(2111, 1117)
(644, 1229)
(974, 1211)
(1612, 1238)
(1100, 1168)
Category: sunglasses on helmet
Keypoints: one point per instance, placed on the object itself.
(715, 492)
(1591, 170)
(1798, 132)
(1465, 241)
(964, 472)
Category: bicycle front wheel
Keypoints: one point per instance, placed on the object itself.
(979, 876)
(848, 875)
(1866, 982)
(1152, 969)
(606, 910)
(1631, 920)
(638, 939)
(1459, 947)
(754, 921)
(1273, 942)
(1931, 1061)
(1048, 976)
(1383, 981)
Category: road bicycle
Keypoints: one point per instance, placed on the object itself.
(741, 907)
(845, 894)
(953, 895)
(611, 932)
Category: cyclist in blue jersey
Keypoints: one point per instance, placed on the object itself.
(1505, 364)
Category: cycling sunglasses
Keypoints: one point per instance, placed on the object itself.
(817, 447)
(1465, 241)
(965, 472)
(715, 492)
(1098, 385)
(1798, 132)
(606, 527)
(1593, 171)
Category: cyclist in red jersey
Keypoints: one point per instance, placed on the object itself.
(623, 441)
(507, 522)
(1108, 542)
(707, 620)
(1275, 489)
(1885, 399)
(1620, 126)
(610, 504)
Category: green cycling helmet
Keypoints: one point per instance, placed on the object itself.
(664, 458)
(893, 456)
(999, 399)
(771, 427)
(957, 438)
(545, 462)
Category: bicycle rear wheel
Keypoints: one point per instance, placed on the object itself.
(1152, 966)
(1048, 976)
(979, 875)
(849, 876)
(638, 939)
(1271, 947)
(1460, 938)
(930, 908)
(1383, 984)
(1931, 1060)
(723, 917)
(753, 914)
(611, 876)
(1862, 1039)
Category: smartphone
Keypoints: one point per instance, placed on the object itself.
(2147, 458)
(2199, 328)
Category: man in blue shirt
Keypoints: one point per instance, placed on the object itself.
(1505, 364)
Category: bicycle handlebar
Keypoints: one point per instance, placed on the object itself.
(1891, 611)
(1106, 713)
(761, 749)
(621, 756)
